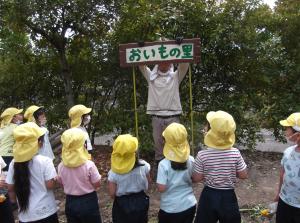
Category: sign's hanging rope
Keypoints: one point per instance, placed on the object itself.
(135, 106)
(191, 110)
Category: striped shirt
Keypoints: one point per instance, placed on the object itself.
(219, 167)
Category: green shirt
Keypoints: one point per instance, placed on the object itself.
(7, 140)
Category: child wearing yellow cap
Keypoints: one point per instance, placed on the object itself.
(5, 207)
(80, 178)
(10, 119)
(174, 178)
(80, 118)
(128, 180)
(288, 196)
(31, 176)
(38, 115)
(218, 167)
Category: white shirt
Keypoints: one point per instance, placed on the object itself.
(2, 165)
(87, 138)
(290, 189)
(46, 150)
(163, 90)
(41, 200)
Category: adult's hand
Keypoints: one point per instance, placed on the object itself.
(141, 43)
(179, 40)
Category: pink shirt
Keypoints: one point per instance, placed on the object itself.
(78, 180)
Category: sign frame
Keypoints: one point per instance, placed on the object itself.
(195, 59)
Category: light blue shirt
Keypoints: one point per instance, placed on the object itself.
(290, 189)
(132, 182)
(179, 195)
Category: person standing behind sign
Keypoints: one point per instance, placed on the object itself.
(163, 99)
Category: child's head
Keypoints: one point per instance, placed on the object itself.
(292, 126)
(29, 138)
(36, 114)
(11, 115)
(123, 156)
(176, 147)
(79, 115)
(221, 134)
(74, 152)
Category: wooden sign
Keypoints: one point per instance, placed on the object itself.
(132, 54)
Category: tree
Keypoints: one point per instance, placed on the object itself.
(54, 25)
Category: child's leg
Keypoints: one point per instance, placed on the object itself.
(208, 206)
(283, 213)
(82, 209)
(131, 208)
(6, 212)
(229, 209)
(50, 219)
(186, 216)
(89, 209)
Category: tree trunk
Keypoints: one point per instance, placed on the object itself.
(67, 78)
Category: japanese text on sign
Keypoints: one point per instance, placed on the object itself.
(160, 52)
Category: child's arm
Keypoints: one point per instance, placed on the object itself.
(11, 193)
(197, 177)
(97, 184)
(149, 178)
(95, 177)
(50, 184)
(112, 189)
(161, 187)
(281, 174)
(242, 174)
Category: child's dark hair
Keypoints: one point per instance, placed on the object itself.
(22, 184)
(38, 113)
(137, 163)
(178, 166)
(41, 139)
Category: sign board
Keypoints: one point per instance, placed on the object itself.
(132, 54)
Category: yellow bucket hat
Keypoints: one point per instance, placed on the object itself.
(74, 153)
(26, 137)
(222, 127)
(123, 155)
(292, 121)
(29, 113)
(8, 115)
(75, 114)
(176, 147)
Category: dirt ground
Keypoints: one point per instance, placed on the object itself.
(253, 194)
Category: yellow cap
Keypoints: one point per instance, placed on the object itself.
(123, 155)
(75, 114)
(26, 137)
(74, 153)
(29, 113)
(176, 147)
(222, 127)
(292, 121)
(8, 115)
